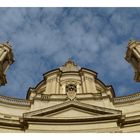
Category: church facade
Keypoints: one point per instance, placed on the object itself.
(70, 99)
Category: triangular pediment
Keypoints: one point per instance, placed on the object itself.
(72, 111)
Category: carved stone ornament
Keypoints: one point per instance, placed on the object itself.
(70, 66)
(71, 91)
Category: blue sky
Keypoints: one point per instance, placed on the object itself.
(44, 38)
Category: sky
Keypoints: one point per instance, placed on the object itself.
(44, 38)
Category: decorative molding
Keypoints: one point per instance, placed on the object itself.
(63, 97)
(14, 101)
(42, 115)
(11, 124)
(70, 66)
(127, 99)
(116, 100)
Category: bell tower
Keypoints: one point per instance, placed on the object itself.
(6, 59)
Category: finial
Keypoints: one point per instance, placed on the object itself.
(70, 61)
(70, 66)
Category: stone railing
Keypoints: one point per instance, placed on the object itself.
(125, 99)
(14, 101)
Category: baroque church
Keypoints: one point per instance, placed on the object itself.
(70, 99)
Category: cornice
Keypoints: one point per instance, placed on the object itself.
(83, 106)
(63, 97)
(42, 115)
(70, 120)
(14, 101)
(127, 99)
(24, 102)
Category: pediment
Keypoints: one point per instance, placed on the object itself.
(72, 111)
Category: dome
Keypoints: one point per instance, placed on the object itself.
(71, 80)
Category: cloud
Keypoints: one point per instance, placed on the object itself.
(44, 38)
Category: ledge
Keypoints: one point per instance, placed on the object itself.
(127, 99)
(27, 103)
(14, 101)
(79, 96)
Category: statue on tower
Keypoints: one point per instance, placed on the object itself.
(6, 59)
(133, 57)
